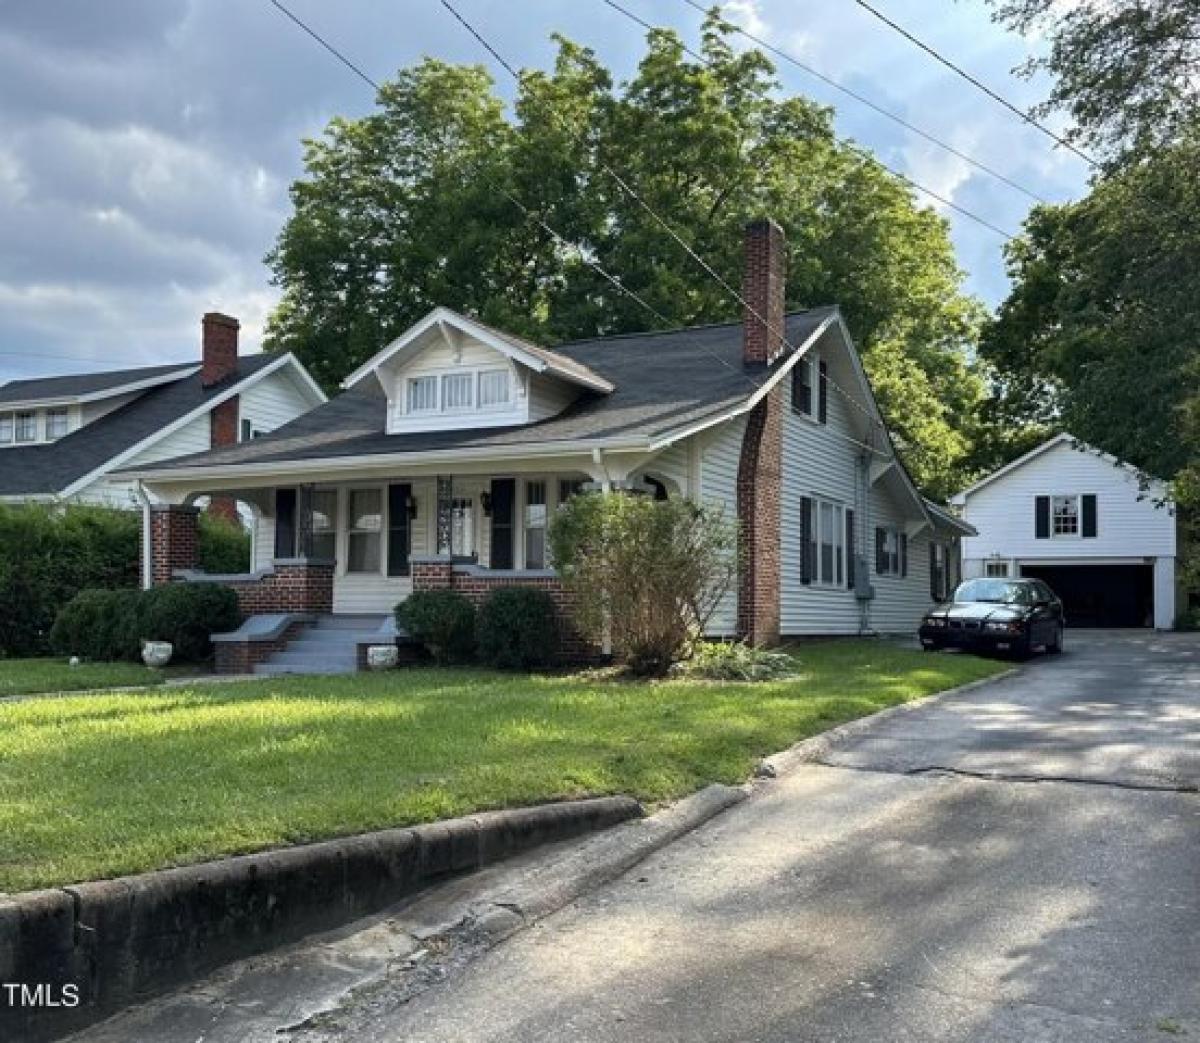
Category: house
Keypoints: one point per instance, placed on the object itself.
(1098, 531)
(62, 439)
(446, 454)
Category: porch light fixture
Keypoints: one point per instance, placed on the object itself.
(485, 501)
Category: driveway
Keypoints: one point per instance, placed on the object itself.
(1018, 863)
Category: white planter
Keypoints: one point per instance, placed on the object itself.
(382, 657)
(157, 653)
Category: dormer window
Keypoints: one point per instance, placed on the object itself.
(494, 389)
(27, 427)
(423, 394)
(458, 392)
(56, 423)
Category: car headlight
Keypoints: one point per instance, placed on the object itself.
(1005, 626)
(934, 621)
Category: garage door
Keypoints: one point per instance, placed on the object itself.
(1101, 595)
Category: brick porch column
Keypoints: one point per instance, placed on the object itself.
(173, 540)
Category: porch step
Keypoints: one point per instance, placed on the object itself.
(327, 646)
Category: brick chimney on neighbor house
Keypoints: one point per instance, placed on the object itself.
(219, 361)
(760, 465)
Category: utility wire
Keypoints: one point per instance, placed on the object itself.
(976, 82)
(862, 99)
(845, 142)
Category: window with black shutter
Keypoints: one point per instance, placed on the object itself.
(823, 392)
(802, 387)
(903, 542)
(1089, 515)
(1041, 517)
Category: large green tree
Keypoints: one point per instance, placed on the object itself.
(442, 197)
(1127, 72)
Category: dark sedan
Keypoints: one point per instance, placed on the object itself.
(996, 615)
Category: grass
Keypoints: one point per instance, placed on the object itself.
(27, 676)
(102, 785)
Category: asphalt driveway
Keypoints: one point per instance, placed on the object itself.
(1018, 863)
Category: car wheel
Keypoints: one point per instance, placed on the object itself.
(1057, 645)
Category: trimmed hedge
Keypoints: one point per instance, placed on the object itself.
(222, 547)
(442, 620)
(111, 624)
(517, 628)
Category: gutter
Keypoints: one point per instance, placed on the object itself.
(147, 545)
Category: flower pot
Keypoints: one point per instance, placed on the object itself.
(382, 657)
(157, 653)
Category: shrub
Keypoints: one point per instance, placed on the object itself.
(650, 572)
(735, 661)
(50, 554)
(222, 546)
(187, 615)
(516, 628)
(1188, 619)
(442, 620)
(98, 624)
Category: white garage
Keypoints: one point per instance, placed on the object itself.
(1102, 534)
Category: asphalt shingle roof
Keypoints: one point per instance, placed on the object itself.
(75, 384)
(663, 381)
(50, 468)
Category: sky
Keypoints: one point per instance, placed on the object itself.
(147, 146)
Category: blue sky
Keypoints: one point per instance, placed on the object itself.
(146, 146)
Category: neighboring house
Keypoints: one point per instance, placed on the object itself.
(1097, 530)
(62, 438)
(442, 461)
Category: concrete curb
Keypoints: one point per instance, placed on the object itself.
(818, 747)
(123, 940)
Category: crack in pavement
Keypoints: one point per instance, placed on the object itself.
(1024, 777)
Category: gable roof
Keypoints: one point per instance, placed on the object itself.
(1062, 438)
(537, 358)
(665, 384)
(82, 387)
(56, 467)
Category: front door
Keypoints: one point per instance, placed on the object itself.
(503, 494)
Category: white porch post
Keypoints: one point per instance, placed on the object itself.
(147, 539)
(1164, 593)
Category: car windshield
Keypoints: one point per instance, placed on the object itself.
(997, 591)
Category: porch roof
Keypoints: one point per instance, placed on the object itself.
(665, 382)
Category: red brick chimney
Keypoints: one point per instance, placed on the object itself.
(219, 360)
(763, 284)
(219, 352)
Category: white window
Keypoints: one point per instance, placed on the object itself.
(422, 394)
(457, 391)
(56, 423)
(324, 524)
(995, 569)
(535, 525)
(828, 547)
(493, 388)
(365, 529)
(27, 427)
(6, 427)
(1064, 515)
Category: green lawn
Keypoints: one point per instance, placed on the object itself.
(25, 676)
(101, 785)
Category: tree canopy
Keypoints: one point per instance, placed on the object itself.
(438, 197)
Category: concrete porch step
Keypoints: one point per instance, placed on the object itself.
(274, 669)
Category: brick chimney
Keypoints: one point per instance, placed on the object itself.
(219, 352)
(763, 284)
(219, 360)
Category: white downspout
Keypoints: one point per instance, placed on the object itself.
(147, 537)
(605, 488)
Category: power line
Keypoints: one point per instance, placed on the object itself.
(846, 143)
(875, 106)
(976, 82)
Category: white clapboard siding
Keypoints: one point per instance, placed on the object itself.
(1128, 523)
(274, 401)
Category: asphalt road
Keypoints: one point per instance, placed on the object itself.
(936, 880)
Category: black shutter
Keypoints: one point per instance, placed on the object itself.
(801, 389)
(285, 523)
(806, 528)
(850, 555)
(935, 586)
(1089, 515)
(1041, 517)
(823, 393)
(880, 550)
(503, 495)
(903, 538)
(399, 545)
